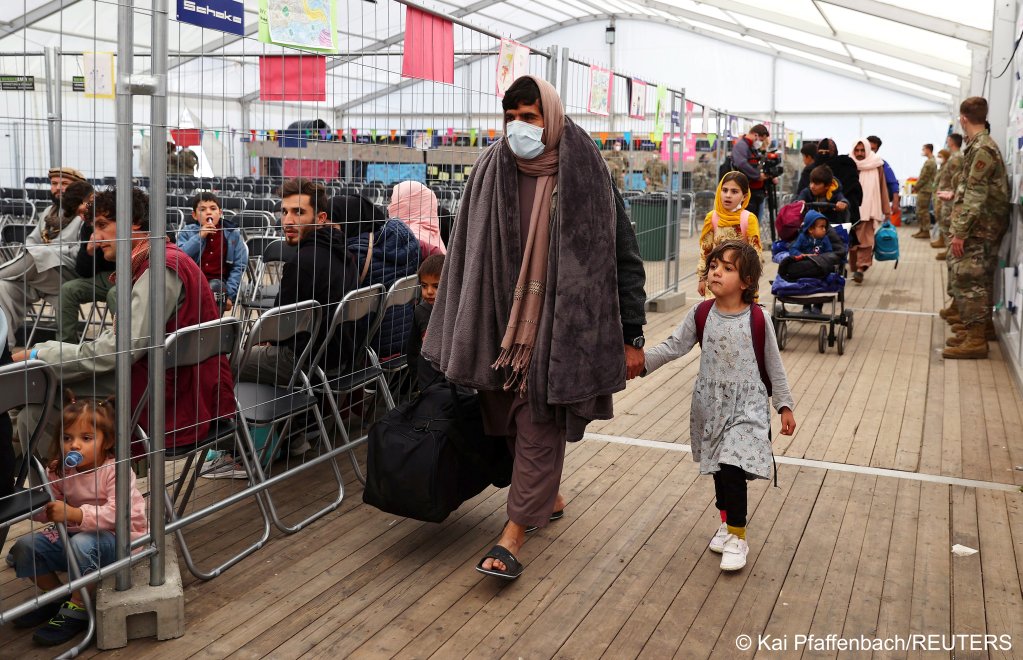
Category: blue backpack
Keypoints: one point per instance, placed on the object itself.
(886, 243)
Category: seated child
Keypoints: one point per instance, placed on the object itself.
(813, 236)
(85, 501)
(824, 187)
(218, 246)
(806, 253)
(422, 372)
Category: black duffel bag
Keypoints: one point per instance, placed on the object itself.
(429, 455)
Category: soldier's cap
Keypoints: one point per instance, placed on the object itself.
(66, 173)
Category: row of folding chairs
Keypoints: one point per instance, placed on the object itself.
(258, 405)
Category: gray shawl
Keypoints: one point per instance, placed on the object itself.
(578, 360)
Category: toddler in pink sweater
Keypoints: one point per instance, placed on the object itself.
(85, 501)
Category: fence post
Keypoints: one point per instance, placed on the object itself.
(54, 110)
(158, 264)
(123, 109)
(552, 66)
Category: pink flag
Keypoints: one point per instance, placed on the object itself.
(429, 47)
(292, 78)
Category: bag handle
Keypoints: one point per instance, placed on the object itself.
(369, 258)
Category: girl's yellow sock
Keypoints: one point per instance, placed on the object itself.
(738, 531)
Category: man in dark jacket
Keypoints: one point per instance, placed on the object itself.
(93, 270)
(746, 159)
(320, 268)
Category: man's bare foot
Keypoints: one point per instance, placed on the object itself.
(512, 538)
(559, 504)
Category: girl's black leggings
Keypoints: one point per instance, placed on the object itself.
(730, 490)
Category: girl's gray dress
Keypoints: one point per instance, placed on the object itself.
(730, 417)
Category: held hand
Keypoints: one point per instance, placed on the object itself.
(788, 422)
(957, 247)
(19, 356)
(635, 361)
(701, 288)
(841, 206)
(207, 231)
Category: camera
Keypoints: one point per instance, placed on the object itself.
(771, 164)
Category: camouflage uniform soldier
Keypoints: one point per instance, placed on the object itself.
(925, 185)
(980, 218)
(705, 182)
(655, 173)
(947, 181)
(618, 164)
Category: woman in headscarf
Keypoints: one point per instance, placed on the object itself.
(416, 206)
(844, 169)
(874, 208)
(385, 251)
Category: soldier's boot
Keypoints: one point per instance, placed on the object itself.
(940, 243)
(941, 256)
(956, 339)
(923, 233)
(989, 330)
(973, 346)
(951, 310)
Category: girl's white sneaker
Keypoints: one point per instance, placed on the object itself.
(733, 556)
(717, 544)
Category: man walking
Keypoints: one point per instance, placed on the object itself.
(541, 303)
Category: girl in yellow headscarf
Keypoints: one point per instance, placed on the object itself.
(728, 221)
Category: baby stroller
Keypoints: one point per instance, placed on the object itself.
(835, 321)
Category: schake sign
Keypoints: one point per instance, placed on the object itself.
(17, 83)
(223, 15)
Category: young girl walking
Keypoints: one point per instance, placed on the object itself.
(84, 500)
(740, 369)
(728, 221)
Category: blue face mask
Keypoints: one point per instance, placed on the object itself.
(524, 139)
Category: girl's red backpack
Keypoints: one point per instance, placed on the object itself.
(790, 218)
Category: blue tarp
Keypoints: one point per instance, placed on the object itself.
(807, 286)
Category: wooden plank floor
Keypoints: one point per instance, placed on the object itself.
(856, 554)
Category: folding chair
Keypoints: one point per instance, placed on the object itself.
(188, 347)
(403, 292)
(331, 383)
(34, 383)
(254, 223)
(274, 406)
(266, 258)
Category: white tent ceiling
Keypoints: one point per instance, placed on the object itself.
(926, 48)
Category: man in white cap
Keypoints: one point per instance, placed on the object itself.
(48, 259)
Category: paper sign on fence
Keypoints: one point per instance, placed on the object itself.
(600, 91)
(304, 24)
(637, 99)
(512, 63)
(99, 75)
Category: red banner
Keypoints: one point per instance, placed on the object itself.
(429, 47)
(292, 78)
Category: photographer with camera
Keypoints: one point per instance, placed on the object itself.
(747, 158)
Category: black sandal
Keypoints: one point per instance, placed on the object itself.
(557, 515)
(501, 554)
